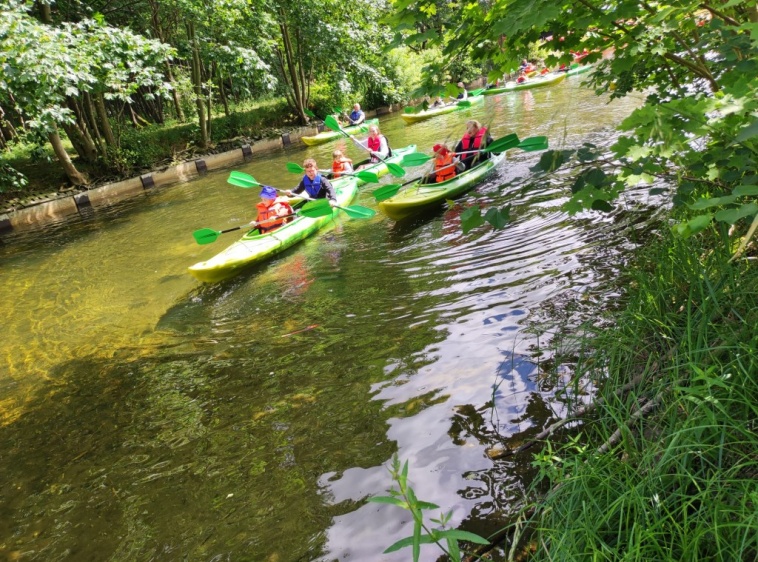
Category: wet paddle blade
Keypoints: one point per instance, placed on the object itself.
(463, 103)
(309, 113)
(317, 208)
(242, 179)
(337, 109)
(416, 159)
(386, 191)
(504, 143)
(395, 170)
(533, 143)
(295, 168)
(358, 212)
(368, 177)
(205, 235)
(409, 109)
(332, 123)
(476, 92)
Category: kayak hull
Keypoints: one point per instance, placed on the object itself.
(579, 70)
(539, 82)
(327, 136)
(255, 248)
(434, 112)
(417, 197)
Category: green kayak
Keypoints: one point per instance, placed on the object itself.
(435, 111)
(254, 248)
(536, 82)
(417, 197)
(326, 136)
(579, 70)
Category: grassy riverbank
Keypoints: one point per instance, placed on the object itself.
(666, 466)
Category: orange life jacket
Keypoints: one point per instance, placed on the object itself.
(444, 168)
(266, 212)
(339, 168)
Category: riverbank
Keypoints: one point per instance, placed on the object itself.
(663, 465)
(42, 206)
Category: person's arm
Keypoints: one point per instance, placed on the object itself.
(299, 189)
(327, 186)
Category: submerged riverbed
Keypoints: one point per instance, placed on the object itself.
(146, 416)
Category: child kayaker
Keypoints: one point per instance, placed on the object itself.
(445, 163)
(341, 164)
(273, 211)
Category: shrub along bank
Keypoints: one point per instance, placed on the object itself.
(665, 465)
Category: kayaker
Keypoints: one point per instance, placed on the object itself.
(475, 138)
(314, 184)
(521, 77)
(356, 116)
(273, 211)
(439, 102)
(464, 94)
(376, 143)
(341, 164)
(446, 164)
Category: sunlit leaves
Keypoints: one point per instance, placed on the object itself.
(471, 218)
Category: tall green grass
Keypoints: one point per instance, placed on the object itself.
(681, 482)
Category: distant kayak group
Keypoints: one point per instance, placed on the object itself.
(287, 216)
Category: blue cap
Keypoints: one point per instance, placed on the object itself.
(268, 192)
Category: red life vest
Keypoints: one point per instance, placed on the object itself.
(445, 168)
(266, 212)
(374, 144)
(466, 140)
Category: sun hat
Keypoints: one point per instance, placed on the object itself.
(268, 192)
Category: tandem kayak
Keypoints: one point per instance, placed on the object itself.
(254, 248)
(537, 82)
(435, 111)
(326, 136)
(418, 197)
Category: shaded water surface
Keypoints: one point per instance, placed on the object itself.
(145, 416)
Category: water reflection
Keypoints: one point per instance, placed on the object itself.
(146, 416)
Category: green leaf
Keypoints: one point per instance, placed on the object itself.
(747, 132)
(743, 190)
(387, 499)
(426, 505)
(408, 541)
(459, 535)
(471, 218)
(712, 202)
(453, 550)
(693, 226)
(498, 218)
(658, 190)
(731, 216)
(550, 161)
(601, 205)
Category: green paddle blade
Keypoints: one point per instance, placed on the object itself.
(409, 109)
(358, 212)
(476, 92)
(205, 235)
(337, 109)
(533, 143)
(504, 143)
(386, 191)
(332, 123)
(463, 103)
(416, 159)
(395, 170)
(317, 208)
(295, 168)
(309, 113)
(242, 179)
(368, 177)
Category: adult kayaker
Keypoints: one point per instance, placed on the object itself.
(273, 211)
(314, 184)
(446, 164)
(341, 164)
(475, 138)
(464, 94)
(356, 116)
(376, 143)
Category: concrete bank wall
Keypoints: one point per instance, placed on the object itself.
(59, 207)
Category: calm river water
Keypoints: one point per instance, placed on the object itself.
(144, 416)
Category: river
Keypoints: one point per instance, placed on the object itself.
(145, 416)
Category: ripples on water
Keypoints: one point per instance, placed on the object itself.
(147, 417)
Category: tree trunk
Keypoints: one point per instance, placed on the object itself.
(175, 94)
(89, 113)
(110, 138)
(197, 85)
(74, 175)
(292, 67)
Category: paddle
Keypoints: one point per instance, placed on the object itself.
(504, 143)
(368, 177)
(317, 208)
(241, 179)
(208, 235)
(332, 123)
(476, 92)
